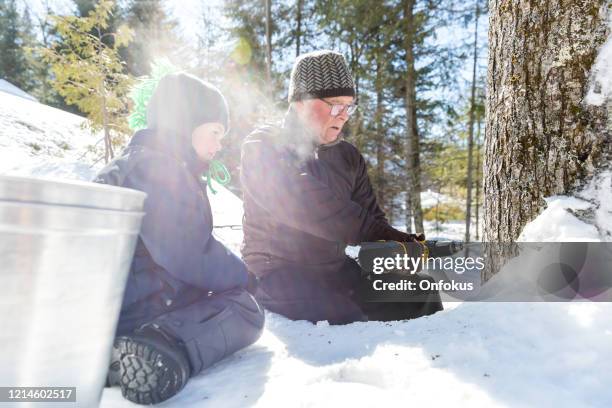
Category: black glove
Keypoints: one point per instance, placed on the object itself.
(418, 237)
(380, 230)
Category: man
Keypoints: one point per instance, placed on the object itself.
(306, 196)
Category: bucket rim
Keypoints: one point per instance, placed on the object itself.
(66, 192)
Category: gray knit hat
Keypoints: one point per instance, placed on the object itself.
(182, 102)
(320, 74)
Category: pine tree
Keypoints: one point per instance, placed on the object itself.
(31, 82)
(15, 36)
(154, 36)
(210, 55)
(250, 54)
(253, 100)
(43, 90)
(425, 66)
(363, 35)
(374, 41)
(42, 37)
(303, 29)
(88, 72)
(114, 20)
(268, 24)
(412, 144)
(479, 8)
(299, 14)
(84, 7)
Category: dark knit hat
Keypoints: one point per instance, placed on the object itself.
(320, 74)
(182, 102)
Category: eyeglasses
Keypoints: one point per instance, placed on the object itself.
(337, 109)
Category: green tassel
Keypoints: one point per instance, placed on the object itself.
(219, 172)
(142, 92)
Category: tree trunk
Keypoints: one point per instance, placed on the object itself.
(413, 170)
(380, 131)
(468, 200)
(409, 215)
(478, 172)
(541, 139)
(269, 44)
(298, 32)
(108, 143)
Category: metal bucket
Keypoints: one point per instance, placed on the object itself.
(65, 252)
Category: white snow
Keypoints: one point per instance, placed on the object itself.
(599, 190)
(7, 87)
(470, 355)
(450, 230)
(39, 140)
(556, 223)
(475, 355)
(601, 84)
(431, 198)
(227, 217)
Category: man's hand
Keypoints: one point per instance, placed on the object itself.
(411, 237)
(381, 230)
(418, 237)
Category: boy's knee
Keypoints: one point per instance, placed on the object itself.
(251, 313)
(229, 322)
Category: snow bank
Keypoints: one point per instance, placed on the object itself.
(558, 223)
(39, 140)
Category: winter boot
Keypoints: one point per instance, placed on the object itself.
(150, 366)
(113, 376)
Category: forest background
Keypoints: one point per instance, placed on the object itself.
(419, 66)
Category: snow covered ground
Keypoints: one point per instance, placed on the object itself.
(470, 355)
(431, 198)
(473, 355)
(39, 140)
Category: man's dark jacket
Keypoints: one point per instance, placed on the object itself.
(175, 250)
(303, 203)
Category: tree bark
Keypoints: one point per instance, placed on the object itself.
(380, 135)
(108, 143)
(468, 200)
(298, 33)
(541, 139)
(413, 170)
(268, 5)
(477, 205)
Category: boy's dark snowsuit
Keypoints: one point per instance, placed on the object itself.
(303, 205)
(181, 279)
